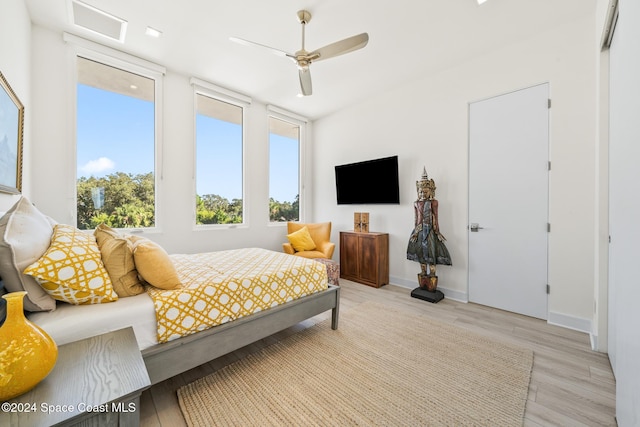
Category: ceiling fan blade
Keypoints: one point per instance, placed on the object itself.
(340, 47)
(254, 44)
(305, 80)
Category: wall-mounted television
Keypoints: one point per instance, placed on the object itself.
(368, 182)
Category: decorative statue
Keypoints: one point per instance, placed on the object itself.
(426, 244)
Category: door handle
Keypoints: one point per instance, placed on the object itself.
(474, 227)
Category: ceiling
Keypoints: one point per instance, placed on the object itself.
(407, 39)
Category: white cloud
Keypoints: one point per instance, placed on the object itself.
(100, 165)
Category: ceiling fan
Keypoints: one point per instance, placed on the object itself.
(304, 58)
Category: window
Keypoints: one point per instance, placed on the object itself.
(115, 146)
(284, 169)
(219, 160)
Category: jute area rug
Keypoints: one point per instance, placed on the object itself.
(382, 367)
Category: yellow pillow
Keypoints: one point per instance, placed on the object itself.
(71, 269)
(301, 240)
(153, 263)
(117, 256)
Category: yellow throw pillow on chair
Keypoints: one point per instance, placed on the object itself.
(301, 240)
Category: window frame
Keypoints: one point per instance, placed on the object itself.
(204, 88)
(302, 122)
(116, 59)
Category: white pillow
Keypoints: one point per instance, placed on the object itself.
(25, 235)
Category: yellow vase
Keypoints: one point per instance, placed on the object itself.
(27, 353)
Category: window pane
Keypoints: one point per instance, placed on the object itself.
(284, 170)
(115, 147)
(218, 162)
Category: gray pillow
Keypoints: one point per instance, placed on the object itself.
(25, 235)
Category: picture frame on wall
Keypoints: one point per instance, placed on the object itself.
(11, 132)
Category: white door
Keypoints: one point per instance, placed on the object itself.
(624, 212)
(508, 201)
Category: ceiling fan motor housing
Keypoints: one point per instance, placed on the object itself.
(304, 16)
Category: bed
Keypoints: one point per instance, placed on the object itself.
(69, 322)
(164, 360)
(268, 291)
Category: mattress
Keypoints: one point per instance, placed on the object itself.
(68, 323)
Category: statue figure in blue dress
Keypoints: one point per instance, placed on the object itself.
(426, 244)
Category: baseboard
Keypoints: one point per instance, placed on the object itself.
(558, 319)
(448, 293)
(570, 322)
(594, 341)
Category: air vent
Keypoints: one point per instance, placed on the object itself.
(98, 22)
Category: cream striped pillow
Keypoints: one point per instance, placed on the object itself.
(71, 270)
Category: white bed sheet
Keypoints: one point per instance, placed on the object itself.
(68, 323)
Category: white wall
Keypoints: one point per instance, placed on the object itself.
(15, 64)
(425, 122)
(53, 187)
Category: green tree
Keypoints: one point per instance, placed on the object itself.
(284, 211)
(215, 209)
(129, 201)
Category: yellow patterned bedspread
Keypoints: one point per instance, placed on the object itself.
(221, 286)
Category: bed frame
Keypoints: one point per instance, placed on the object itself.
(166, 360)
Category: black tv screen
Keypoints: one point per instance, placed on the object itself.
(368, 182)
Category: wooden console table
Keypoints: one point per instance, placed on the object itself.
(96, 381)
(364, 257)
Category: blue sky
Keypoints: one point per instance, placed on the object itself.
(115, 134)
(283, 162)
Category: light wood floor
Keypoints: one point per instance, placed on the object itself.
(570, 384)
